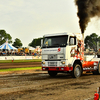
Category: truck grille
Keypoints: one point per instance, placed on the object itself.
(52, 56)
(52, 63)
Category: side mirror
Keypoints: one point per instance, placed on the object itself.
(72, 41)
(41, 42)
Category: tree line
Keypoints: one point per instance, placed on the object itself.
(92, 41)
(4, 36)
(35, 42)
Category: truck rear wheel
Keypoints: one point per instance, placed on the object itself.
(77, 71)
(52, 73)
(99, 67)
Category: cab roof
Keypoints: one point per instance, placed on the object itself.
(59, 34)
(78, 35)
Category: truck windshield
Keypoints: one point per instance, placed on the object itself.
(55, 41)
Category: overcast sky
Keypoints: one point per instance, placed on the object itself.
(29, 19)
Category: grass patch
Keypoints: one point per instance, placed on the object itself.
(18, 61)
(19, 69)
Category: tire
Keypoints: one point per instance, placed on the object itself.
(52, 73)
(99, 67)
(77, 71)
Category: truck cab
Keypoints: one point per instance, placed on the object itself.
(63, 52)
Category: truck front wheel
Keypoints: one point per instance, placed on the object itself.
(52, 73)
(77, 71)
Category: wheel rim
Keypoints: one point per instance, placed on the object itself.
(77, 71)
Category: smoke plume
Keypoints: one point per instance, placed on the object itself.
(87, 9)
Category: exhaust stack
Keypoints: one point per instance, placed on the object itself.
(82, 46)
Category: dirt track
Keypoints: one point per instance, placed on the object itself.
(38, 85)
(19, 65)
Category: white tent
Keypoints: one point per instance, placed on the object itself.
(7, 46)
(31, 48)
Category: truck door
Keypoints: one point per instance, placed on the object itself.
(72, 48)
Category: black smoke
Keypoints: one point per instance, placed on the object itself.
(87, 9)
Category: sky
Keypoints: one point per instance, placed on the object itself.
(30, 19)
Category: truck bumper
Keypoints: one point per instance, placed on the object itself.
(57, 68)
(90, 65)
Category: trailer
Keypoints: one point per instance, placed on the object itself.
(64, 52)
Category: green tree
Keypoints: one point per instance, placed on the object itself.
(17, 43)
(4, 37)
(35, 42)
(91, 41)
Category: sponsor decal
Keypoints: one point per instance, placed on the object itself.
(73, 51)
(50, 50)
(59, 49)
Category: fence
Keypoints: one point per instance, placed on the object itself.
(19, 57)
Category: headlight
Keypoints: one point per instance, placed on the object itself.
(62, 68)
(43, 62)
(63, 62)
(95, 63)
(95, 67)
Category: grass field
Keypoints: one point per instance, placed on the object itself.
(19, 69)
(18, 61)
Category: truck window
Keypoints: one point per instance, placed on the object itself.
(72, 39)
(55, 41)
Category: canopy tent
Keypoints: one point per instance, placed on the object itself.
(31, 48)
(7, 46)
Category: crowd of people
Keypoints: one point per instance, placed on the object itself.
(21, 53)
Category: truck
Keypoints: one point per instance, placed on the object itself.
(64, 53)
